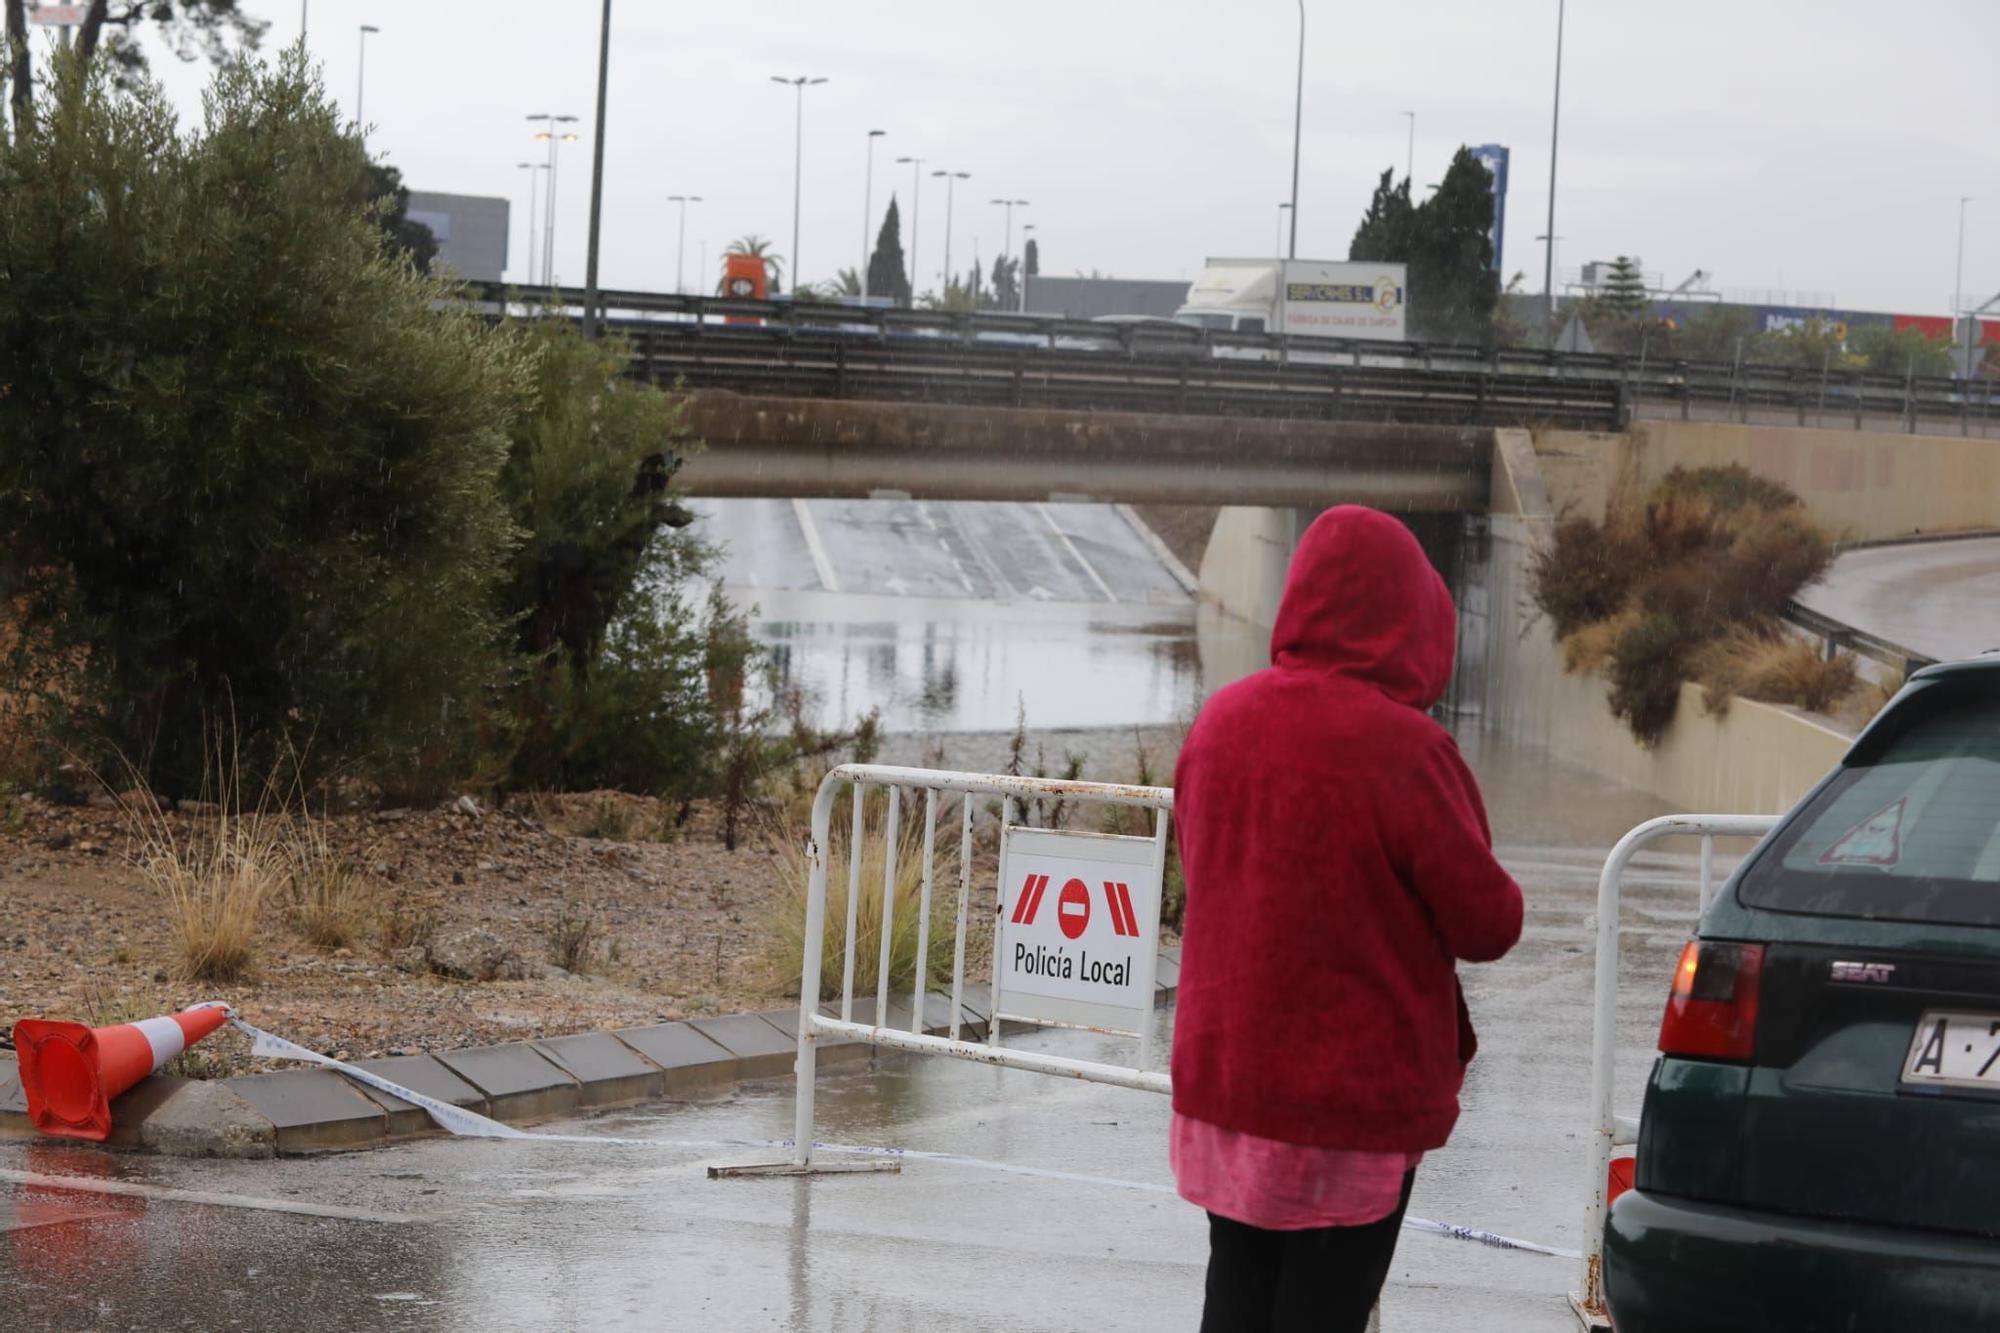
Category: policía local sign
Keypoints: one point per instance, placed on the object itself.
(1079, 927)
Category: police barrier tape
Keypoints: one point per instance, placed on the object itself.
(470, 1124)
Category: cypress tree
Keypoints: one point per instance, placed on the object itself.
(885, 267)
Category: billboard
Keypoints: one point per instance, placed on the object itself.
(1345, 300)
(1494, 158)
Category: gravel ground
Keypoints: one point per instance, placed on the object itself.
(681, 924)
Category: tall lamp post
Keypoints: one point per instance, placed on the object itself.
(1555, 125)
(951, 178)
(591, 322)
(361, 76)
(681, 245)
(1007, 249)
(1278, 239)
(798, 86)
(916, 165)
(1298, 123)
(1958, 294)
(868, 208)
(1958, 275)
(1026, 241)
(534, 170)
(1410, 162)
(556, 138)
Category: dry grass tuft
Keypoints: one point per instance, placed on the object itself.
(327, 898)
(786, 929)
(213, 873)
(1766, 664)
(610, 815)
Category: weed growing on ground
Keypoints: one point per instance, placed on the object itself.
(213, 873)
(327, 899)
(406, 926)
(572, 940)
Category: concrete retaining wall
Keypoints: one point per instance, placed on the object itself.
(1755, 759)
(1864, 486)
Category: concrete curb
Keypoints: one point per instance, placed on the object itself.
(300, 1111)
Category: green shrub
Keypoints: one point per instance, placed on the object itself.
(248, 460)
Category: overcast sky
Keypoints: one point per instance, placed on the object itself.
(1818, 147)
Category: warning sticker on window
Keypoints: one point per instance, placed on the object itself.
(1875, 841)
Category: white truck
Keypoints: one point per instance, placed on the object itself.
(1324, 298)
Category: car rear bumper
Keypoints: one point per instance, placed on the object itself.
(1671, 1266)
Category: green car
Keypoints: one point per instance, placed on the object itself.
(1820, 1144)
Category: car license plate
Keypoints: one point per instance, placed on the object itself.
(1953, 1049)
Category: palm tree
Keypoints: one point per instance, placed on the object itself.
(760, 246)
(847, 283)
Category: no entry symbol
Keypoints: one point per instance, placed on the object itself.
(1073, 909)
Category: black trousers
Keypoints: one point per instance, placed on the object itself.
(1325, 1280)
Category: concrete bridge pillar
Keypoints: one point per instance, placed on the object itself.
(1243, 577)
(1243, 568)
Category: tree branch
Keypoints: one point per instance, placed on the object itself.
(23, 68)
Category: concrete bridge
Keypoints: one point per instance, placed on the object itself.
(1270, 476)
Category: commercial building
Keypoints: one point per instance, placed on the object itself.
(471, 232)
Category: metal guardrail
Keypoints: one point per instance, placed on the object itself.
(1840, 635)
(1039, 360)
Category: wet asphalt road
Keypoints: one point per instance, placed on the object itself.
(1941, 598)
(505, 1235)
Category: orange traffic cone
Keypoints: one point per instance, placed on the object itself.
(70, 1073)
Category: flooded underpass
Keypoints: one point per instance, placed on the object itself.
(1065, 1219)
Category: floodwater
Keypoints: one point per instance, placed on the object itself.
(518, 1235)
(961, 617)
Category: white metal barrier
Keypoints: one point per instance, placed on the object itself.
(1610, 1129)
(907, 783)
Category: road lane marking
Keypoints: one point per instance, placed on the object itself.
(821, 565)
(135, 1190)
(1070, 546)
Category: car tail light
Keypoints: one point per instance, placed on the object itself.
(1712, 1008)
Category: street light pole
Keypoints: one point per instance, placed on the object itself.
(681, 245)
(1278, 237)
(916, 165)
(1410, 162)
(361, 79)
(590, 317)
(951, 179)
(1298, 123)
(1958, 275)
(1958, 294)
(1555, 126)
(868, 208)
(1007, 248)
(556, 138)
(799, 86)
(534, 170)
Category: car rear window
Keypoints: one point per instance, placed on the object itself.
(1910, 828)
